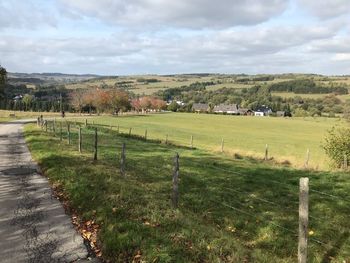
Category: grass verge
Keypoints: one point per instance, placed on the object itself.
(229, 211)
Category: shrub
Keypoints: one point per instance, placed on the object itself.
(337, 145)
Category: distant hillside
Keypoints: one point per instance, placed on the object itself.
(48, 78)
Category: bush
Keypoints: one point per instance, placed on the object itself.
(337, 144)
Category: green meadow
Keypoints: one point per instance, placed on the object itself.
(230, 209)
(287, 138)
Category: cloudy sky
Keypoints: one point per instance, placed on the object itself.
(119, 37)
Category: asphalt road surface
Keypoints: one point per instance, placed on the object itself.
(33, 224)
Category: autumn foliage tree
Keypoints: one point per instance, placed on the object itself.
(109, 101)
(148, 103)
(77, 99)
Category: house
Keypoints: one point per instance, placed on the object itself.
(18, 97)
(229, 109)
(262, 111)
(245, 112)
(200, 107)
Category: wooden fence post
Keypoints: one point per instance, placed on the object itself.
(303, 219)
(60, 131)
(38, 122)
(191, 143)
(222, 145)
(166, 139)
(146, 134)
(46, 126)
(118, 129)
(80, 141)
(54, 126)
(175, 198)
(68, 132)
(266, 152)
(95, 146)
(130, 131)
(86, 123)
(345, 162)
(307, 158)
(122, 161)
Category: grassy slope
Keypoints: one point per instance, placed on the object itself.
(288, 138)
(135, 212)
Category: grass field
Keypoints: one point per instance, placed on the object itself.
(229, 210)
(309, 96)
(287, 138)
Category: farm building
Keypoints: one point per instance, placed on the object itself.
(200, 107)
(229, 109)
(262, 111)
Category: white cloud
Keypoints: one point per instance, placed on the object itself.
(227, 50)
(179, 13)
(27, 14)
(342, 57)
(326, 9)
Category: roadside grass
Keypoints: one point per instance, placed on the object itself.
(5, 119)
(288, 138)
(7, 115)
(230, 210)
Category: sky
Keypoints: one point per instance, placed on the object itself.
(129, 37)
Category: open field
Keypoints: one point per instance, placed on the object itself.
(309, 96)
(165, 82)
(287, 138)
(229, 210)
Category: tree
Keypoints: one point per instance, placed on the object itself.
(337, 145)
(145, 103)
(135, 104)
(28, 100)
(77, 99)
(88, 99)
(173, 106)
(3, 79)
(119, 100)
(103, 101)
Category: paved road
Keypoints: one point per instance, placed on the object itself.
(33, 224)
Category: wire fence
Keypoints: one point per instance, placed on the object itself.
(108, 144)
